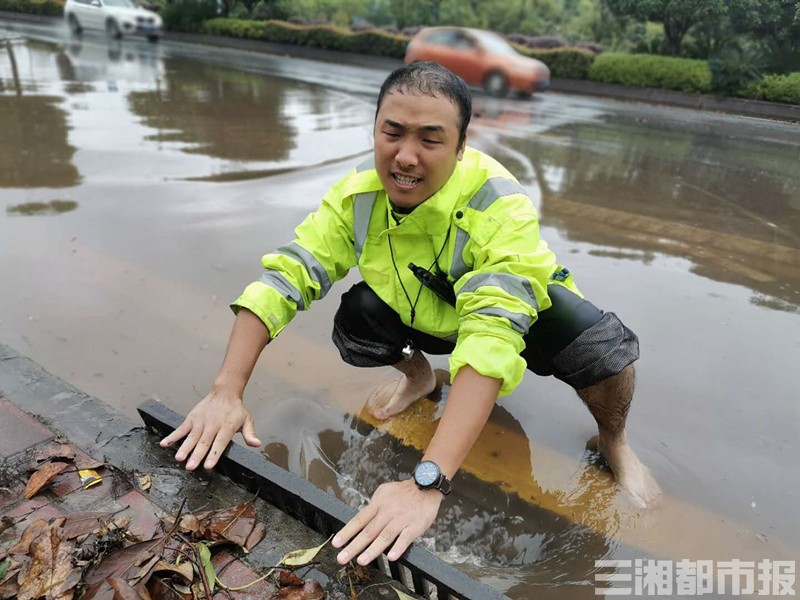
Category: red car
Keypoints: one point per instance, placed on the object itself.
(481, 58)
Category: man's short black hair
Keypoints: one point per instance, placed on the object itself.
(430, 78)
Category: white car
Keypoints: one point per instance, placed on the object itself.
(116, 17)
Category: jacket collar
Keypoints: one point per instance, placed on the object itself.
(433, 216)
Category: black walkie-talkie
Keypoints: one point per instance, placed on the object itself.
(437, 283)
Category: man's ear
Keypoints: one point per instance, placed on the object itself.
(460, 153)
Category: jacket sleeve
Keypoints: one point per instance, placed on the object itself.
(498, 300)
(303, 270)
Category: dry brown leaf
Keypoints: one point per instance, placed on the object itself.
(122, 562)
(51, 572)
(189, 524)
(99, 591)
(61, 451)
(237, 525)
(184, 570)
(32, 531)
(42, 477)
(124, 591)
(311, 590)
(81, 523)
(144, 482)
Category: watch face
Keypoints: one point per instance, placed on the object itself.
(426, 473)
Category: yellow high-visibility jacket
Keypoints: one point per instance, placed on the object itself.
(493, 255)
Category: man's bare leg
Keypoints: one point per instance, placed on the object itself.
(609, 402)
(395, 396)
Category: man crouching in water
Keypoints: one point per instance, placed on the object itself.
(494, 299)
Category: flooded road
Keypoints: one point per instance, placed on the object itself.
(140, 185)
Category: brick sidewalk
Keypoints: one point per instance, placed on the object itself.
(24, 442)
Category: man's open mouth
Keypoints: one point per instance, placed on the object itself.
(405, 181)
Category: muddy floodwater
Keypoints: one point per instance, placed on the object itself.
(140, 185)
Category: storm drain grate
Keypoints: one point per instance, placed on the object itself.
(418, 569)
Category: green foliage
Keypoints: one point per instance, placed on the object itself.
(735, 67)
(676, 16)
(776, 88)
(643, 70)
(376, 43)
(570, 63)
(188, 15)
(51, 8)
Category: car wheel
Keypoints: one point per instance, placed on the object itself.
(112, 30)
(496, 84)
(74, 26)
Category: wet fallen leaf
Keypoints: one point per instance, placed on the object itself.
(311, 590)
(232, 524)
(53, 451)
(32, 531)
(42, 477)
(287, 578)
(298, 558)
(159, 589)
(402, 595)
(4, 568)
(84, 463)
(99, 591)
(143, 482)
(189, 524)
(254, 539)
(184, 570)
(122, 590)
(51, 573)
(125, 560)
(208, 567)
(6, 523)
(78, 524)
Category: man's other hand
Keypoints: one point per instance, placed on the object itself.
(398, 512)
(209, 427)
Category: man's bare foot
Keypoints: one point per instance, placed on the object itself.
(395, 396)
(629, 472)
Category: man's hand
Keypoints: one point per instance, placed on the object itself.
(397, 511)
(209, 427)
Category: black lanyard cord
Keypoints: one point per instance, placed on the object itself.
(396, 270)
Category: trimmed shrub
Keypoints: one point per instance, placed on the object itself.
(645, 70)
(49, 8)
(188, 15)
(776, 88)
(570, 63)
(329, 37)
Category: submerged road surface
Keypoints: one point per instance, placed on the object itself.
(140, 184)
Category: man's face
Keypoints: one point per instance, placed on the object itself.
(416, 146)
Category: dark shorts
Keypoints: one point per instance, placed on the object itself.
(572, 340)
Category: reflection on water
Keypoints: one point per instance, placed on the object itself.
(216, 112)
(53, 207)
(730, 204)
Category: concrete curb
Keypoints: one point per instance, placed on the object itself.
(704, 102)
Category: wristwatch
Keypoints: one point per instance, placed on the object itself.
(428, 476)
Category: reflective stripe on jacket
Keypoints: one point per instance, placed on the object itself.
(493, 255)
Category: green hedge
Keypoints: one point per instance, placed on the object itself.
(328, 37)
(647, 70)
(571, 63)
(776, 88)
(52, 8)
